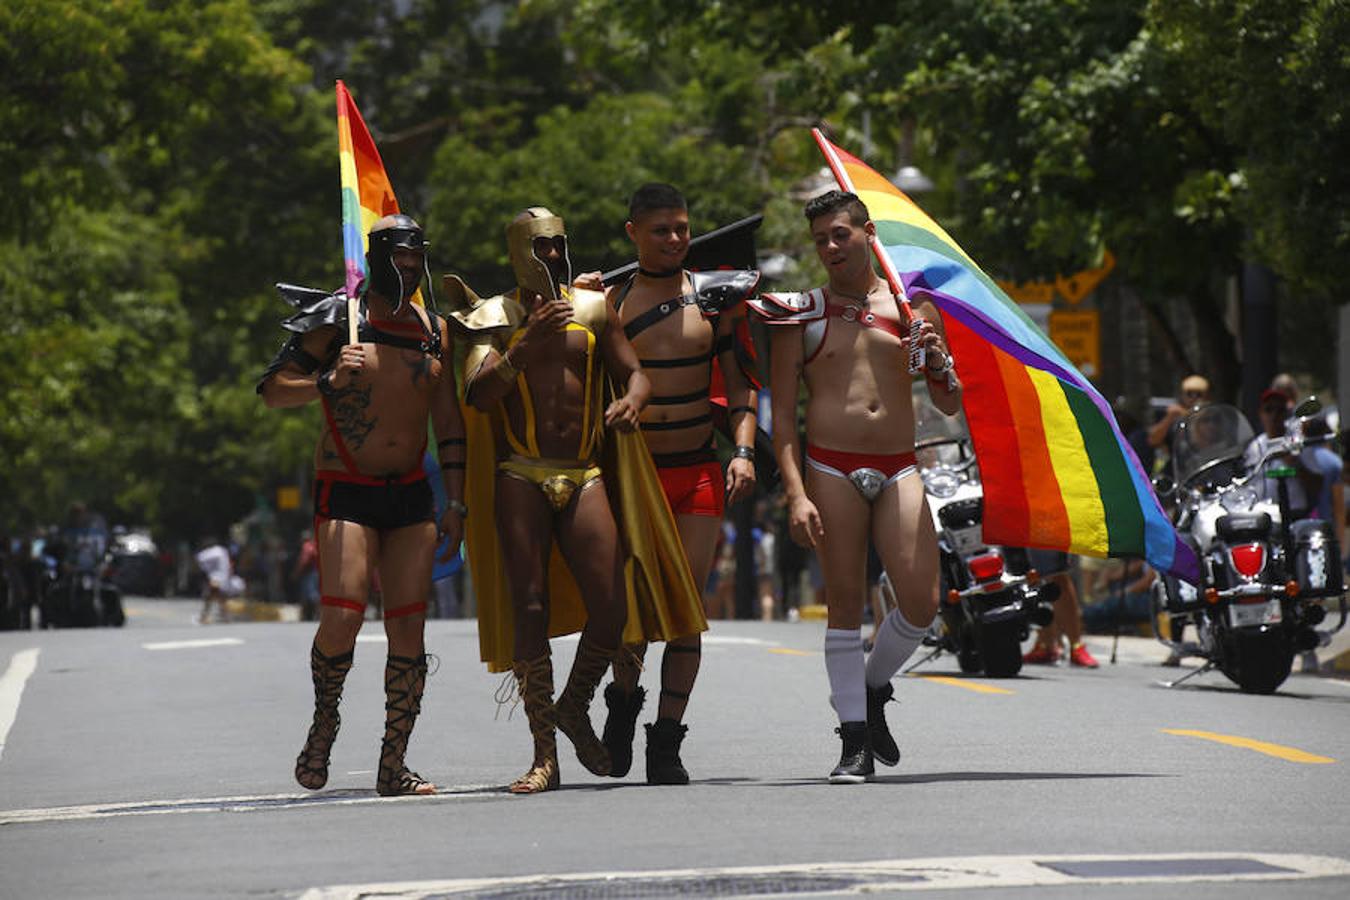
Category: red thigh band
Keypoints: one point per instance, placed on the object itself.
(888, 464)
(411, 609)
(342, 602)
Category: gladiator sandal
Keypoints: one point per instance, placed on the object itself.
(404, 679)
(621, 722)
(534, 680)
(574, 706)
(311, 766)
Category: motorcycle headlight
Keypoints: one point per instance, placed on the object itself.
(941, 484)
(1239, 499)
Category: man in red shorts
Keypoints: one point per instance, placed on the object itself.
(848, 343)
(373, 508)
(681, 324)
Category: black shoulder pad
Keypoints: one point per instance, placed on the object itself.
(722, 289)
(313, 308)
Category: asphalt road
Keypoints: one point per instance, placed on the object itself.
(155, 761)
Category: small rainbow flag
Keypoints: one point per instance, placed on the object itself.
(1057, 472)
(367, 194)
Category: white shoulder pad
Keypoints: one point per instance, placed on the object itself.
(790, 309)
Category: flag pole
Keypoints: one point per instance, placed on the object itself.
(907, 313)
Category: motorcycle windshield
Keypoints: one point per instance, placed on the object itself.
(1207, 438)
(939, 439)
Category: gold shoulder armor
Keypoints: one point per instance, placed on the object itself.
(589, 309)
(473, 313)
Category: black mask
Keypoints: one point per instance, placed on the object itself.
(385, 277)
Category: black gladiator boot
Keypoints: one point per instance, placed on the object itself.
(404, 679)
(664, 737)
(884, 749)
(329, 673)
(620, 724)
(855, 763)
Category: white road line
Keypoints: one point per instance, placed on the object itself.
(16, 676)
(707, 639)
(255, 803)
(192, 645)
(939, 873)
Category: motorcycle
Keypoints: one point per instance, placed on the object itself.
(75, 589)
(1261, 577)
(990, 595)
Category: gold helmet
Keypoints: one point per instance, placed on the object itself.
(532, 273)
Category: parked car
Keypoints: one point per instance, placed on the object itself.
(135, 566)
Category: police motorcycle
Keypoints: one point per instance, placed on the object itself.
(990, 595)
(77, 592)
(1256, 606)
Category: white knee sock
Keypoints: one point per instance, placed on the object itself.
(844, 664)
(895, 643)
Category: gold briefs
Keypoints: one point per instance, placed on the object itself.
(557, 480)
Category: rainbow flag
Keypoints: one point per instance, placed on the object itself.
(367, 194)
(1057, 472)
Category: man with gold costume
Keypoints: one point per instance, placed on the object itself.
(553, 392)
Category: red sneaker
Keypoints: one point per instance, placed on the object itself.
(1079, 656)
(1040, 655)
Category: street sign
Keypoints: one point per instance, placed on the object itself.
(1078, 334)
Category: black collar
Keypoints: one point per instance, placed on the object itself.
(669, 273)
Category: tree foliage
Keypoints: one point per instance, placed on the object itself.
(163, 163)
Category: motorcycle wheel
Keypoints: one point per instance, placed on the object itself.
(968, 658)
(1000, 645)
(1257, 663)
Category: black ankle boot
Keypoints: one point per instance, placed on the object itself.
(620, 724)
(884, 749)
(855, 763)
(664, 737)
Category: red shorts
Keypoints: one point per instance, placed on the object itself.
(697, 490)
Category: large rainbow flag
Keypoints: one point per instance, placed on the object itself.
(367, 194)
(1057, 472)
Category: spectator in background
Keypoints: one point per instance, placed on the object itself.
(1068, 622)
(306, 575)
(1125, 599)
(219, 582)
(1194, 393)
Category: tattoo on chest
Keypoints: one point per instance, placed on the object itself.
(420, 366)
(351, 412)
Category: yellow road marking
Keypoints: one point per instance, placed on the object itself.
(977, 686)
(1292, 754)
(788, 651)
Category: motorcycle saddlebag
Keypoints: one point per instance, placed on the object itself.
(1317, 559)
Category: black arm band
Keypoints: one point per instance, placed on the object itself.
(740, 409)
(452, 442)
(452, 465)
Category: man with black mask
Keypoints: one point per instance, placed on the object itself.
(372, 504)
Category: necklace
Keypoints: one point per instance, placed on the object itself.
(858, 298)
(668, 273)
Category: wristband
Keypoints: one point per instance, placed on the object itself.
(457, 506)
(938, 372)
(743, 452)
(325, 384)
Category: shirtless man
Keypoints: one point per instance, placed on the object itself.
(536, 361)
(373, 507)
(849, 345)
(679, 323)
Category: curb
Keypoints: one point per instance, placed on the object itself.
(256, 611)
